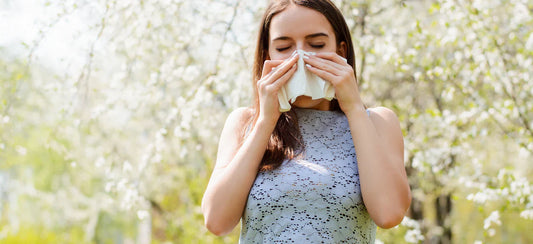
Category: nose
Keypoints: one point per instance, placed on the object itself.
(300, 45)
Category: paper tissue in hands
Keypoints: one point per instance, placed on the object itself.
(304, 82)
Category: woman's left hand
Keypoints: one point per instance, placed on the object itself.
(334, 69)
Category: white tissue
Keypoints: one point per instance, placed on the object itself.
(306, 83)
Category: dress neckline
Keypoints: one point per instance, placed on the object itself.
(313, 110)
(317, 111)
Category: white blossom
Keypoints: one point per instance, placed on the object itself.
(527, 214)
(494, 218)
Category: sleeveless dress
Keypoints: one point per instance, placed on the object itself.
(315, 198)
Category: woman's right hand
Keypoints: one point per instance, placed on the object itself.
(275, 74)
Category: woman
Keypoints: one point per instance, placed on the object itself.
(325, 171)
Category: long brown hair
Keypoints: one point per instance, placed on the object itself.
(286, 141)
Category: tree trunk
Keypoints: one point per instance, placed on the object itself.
(416, 210)
(443, 208)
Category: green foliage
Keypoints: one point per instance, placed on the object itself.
(38, 234)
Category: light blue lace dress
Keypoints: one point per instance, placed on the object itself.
(315, 198)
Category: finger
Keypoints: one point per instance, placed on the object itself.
(334, 57)
(325, 75)
(284, 78)
(282, 69)
(324, 64)
(268, 65)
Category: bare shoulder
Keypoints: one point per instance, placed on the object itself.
(388, 127)
(384, 114)
(230, 139)
(386, 121)
(239, 117)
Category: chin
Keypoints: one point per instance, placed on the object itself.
(308, 102)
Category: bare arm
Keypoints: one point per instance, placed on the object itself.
(237, 161)
(235, 171)
(378, 143)
(379, 146)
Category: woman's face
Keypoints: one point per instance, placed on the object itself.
(298, 27)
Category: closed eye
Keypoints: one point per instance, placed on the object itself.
(318, 46)
(282, 49)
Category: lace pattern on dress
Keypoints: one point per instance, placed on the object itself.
(315, 198)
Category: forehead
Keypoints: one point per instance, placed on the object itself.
(299, 21)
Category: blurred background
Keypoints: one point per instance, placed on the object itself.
(111, 111)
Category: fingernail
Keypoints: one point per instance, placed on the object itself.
(345, 60)
(308, 66)
(294, 54)
(311, 53)
(305, 56)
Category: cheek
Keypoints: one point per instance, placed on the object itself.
(332, 46)
(274, 55)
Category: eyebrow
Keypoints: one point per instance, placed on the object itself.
(306, 37)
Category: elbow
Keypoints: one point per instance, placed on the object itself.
(387, 222)
(390, 219)
(215, 229)
(217, 226)
(216, 221)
